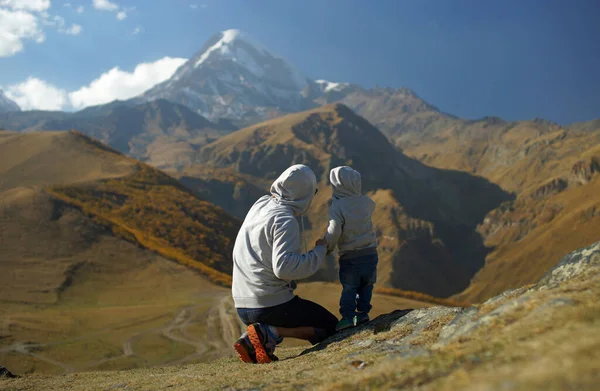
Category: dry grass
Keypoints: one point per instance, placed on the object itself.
(545, 165)
(54, 158)
(530, 244)
(156, 212)
(528, 347)
(72, 286)
(517, 156)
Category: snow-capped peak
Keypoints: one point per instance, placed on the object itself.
(234, 76)
(238, 47)
(222, 45)
(327, 86)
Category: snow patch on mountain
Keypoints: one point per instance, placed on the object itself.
(327, 86)
(233, 76)
(222, 46)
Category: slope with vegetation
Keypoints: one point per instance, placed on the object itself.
(75, 295)
(553, 171)
(521, 339)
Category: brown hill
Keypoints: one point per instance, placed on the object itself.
(75, 295)
(394, 111)
(414, 195)
(537, 161)
(528, 234)
(137, 202)
(519, 156)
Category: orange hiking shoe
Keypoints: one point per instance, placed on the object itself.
(244, 349)
(263, 343)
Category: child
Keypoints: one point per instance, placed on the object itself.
(351, 230)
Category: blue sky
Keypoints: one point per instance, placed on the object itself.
(514, 59)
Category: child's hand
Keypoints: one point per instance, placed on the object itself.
(321, 242)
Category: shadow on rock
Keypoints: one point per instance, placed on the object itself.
(6, 373)
(380, 324)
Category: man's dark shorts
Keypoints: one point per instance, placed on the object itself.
(295, 313)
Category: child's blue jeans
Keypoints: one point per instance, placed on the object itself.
(357, 275)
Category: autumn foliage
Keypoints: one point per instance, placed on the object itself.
(156, 212)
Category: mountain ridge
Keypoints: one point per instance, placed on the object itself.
(160, 132)
(7, 104)
(425, 211)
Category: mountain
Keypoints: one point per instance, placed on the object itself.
(6, 104)
(552, 170)
(542, 168)
(160, 132)
(108, 263)
(555, 172)
(237, 78)
(134, 200)
(104, 260)
(521, 339)
(234, 77)
(426, 217)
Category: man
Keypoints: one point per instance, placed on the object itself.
(267, 258)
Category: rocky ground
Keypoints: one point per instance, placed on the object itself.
(544, 336)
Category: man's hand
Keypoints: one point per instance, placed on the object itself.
(321, 242)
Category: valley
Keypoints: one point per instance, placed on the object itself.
(90, 280)
(117, 222)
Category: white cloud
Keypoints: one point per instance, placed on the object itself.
(34, 93)
(196, 6)
(55, 21)
(60, 24)
(27, 5)
(25, 20)
(105, 5)
(79, 9)
(118, 84)
(137, 30)
(75, 29)
(17, 26)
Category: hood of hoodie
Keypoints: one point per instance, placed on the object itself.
(295, 187)
(346, 182)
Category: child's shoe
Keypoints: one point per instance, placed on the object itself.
(360, 318)
(344, 324)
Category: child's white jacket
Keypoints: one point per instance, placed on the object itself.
(350, 226)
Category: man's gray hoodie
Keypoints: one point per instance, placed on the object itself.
(267, 255)
(350, 212)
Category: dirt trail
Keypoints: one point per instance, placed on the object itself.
(222, 328)
(28, 349)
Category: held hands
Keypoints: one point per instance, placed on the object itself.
(321, 242)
